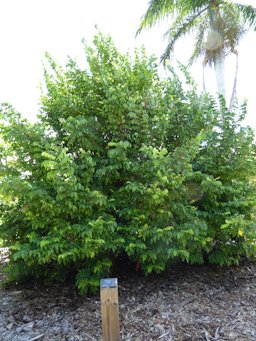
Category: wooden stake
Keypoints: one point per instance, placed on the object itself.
(109, 309)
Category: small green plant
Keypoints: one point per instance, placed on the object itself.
(122, 162)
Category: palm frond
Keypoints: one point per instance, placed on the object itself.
(161, 9)
(248, 13)
(199, 50)
(157, 11)
(234, 28)
(181, 26)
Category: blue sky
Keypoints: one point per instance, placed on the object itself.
(28, 28)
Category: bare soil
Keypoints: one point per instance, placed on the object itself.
(186, 303)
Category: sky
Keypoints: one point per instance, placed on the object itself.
(28, 28)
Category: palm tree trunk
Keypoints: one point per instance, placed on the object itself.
(219, 68)
(219, 55)
(204, 87)
(234, 90)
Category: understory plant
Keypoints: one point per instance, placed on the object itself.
(122, 162)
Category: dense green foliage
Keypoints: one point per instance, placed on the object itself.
(123, 163)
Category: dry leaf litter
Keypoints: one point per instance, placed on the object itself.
(186, 303)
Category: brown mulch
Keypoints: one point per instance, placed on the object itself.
(185, 303)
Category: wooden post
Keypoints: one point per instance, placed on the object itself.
(109, 309)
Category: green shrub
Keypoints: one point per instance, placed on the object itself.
(123, 162)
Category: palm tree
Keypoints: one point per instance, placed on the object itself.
(218, 26)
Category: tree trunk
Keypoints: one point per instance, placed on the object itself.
(219, 68)
(204, 87)
(215, 21)
(234, 90)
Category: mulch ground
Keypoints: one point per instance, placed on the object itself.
(186, 303)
